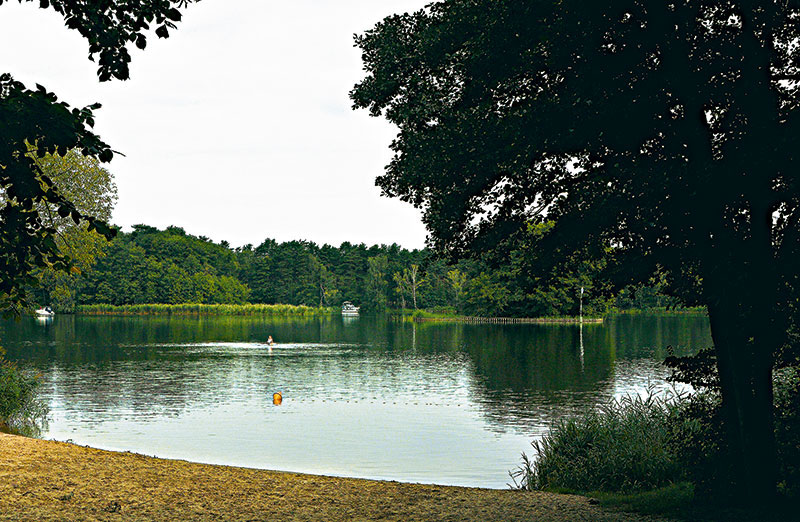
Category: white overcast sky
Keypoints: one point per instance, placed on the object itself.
(238, 126)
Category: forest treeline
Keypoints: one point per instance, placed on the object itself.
(152, 266)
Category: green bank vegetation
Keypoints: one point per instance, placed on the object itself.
(664, 453)
(201, 309)
(438, 315)
(661, 310)
(21, 410)
(626, 445)
(149, 267)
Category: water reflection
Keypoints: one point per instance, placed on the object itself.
(370, 397)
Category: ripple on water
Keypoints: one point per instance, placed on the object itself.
(449, 404)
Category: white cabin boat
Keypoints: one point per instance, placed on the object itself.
(45, 312)
(349, 309)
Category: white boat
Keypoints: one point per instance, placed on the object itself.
(45, 312)
(349, 309)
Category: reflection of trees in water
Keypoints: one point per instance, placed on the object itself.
(649, 336)
(520, 376)
(529, 375)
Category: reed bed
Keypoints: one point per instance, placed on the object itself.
(627, 445)
(201, 309)
(21, 410)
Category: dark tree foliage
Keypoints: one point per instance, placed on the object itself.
(150, 266)
(36, 117)
(665, 132)
(302, 272)
(167, 267)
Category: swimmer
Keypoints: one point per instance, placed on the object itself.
(270, 341)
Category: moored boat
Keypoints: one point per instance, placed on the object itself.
(349, 309)
(45, 312)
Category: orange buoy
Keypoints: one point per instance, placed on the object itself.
(277, 398)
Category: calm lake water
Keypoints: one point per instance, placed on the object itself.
(362, 397)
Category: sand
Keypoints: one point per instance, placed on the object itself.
(49, 480)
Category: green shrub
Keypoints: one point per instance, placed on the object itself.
(626, 445)
(20, 408)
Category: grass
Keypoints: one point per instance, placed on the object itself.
(201, 309)
(678, 501)
(674, 500)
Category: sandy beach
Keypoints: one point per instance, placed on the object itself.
(49, 480)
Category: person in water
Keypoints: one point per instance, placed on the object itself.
(270, 341)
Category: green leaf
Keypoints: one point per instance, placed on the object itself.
(174, 14)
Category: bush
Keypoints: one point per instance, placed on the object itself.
(626, 445)
(20, 408)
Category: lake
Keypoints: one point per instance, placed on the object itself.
(362, 397)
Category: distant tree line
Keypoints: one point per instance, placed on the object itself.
(149, 266)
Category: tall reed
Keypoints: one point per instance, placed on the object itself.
(201, 309)
(625, 445)
(21, 408)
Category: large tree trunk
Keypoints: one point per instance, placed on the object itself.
(746, 377)
(741, 310)
(747, 324)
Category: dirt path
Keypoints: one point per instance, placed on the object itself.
(47, 480)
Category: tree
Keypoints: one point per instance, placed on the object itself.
(554, 290)
(436, 290)
(325, 281)
(92, 190)
(37, 117)
(666, 133)
(458, 281)
(153, 266)
(487, 295)
(376, 282)
(401, 287)
(414, 282)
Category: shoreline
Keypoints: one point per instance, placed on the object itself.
(196, 309)
(52, 480)
(509, 320)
